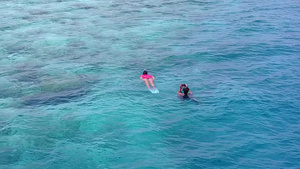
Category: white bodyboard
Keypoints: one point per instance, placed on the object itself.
(154, 90)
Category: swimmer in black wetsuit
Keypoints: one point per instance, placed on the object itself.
(187, 94)
(186, 91)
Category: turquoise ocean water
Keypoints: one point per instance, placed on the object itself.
(71, 97)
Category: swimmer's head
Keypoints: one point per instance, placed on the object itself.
(145, 72)
(186, 90)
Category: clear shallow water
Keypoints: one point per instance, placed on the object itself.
(71, 97)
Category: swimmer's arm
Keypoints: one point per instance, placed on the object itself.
(180, 87)
(179, 92)
(190, 92)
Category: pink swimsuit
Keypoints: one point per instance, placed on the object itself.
(146, 76)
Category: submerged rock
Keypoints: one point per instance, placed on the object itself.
(58, 91)
(54, 98)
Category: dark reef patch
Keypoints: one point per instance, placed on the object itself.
(54, 98)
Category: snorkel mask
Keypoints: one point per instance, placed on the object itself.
(145, 72)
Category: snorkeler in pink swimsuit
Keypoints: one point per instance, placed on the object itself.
(147, 79)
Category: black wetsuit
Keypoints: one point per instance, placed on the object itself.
(185, 96)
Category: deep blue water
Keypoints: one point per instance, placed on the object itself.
(71, 97)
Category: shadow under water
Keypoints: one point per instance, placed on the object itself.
(54, 98)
